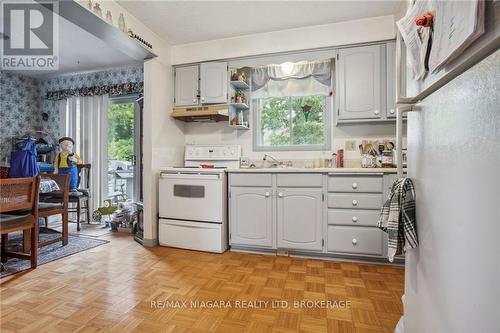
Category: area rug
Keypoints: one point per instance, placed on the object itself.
(91, 230)
(47, 253)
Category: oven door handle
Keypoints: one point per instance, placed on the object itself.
(188, 176)
(200, 226)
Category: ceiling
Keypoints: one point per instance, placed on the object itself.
(180, 22)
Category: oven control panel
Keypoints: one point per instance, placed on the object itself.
(212, 153)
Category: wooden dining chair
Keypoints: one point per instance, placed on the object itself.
(19, 194)
(82, 196)
(56, 203)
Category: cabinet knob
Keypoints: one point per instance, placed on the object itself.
(354, 186)
(280, 194)
(354, 219)
(194, 100)
(391, 111)
(355, 202)
(203, 99)
(354, 241)
(267, 194)
(376, 112)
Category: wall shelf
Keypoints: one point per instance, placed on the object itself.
(239, 113)
(240, 85)
(88, 21)
(239, 106)
(241, 127)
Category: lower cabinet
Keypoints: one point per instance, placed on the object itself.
(355, 240)
(251, 216)
(335, 214)
(300, 218)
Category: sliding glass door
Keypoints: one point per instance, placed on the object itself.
(123, 147)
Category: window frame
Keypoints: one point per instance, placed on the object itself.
(327, 133)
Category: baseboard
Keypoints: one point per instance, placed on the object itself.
(149, 242)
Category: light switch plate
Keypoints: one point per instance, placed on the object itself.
(350, 145)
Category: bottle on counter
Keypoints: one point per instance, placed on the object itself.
(340, 158)
(387, 159)
(333, 161)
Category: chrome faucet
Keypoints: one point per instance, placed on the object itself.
(276, 161)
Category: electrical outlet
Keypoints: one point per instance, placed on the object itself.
(350, 145)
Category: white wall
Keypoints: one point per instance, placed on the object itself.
(319, 36)
(452, 280)
(221, 133)
(163, 143)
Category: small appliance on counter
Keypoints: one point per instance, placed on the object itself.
(193, 199)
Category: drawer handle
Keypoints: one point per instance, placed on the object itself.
(354, 185)
(280, 194)
(354, 241)
(354, 219)
(355, 202)
(267, 194)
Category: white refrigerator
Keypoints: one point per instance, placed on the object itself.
(452, 280)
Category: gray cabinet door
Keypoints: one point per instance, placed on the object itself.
(213, 82)
(361, 83)
(299, 218)
(186, 86)
(391, 79)
(251, 216)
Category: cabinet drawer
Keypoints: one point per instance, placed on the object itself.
(353, 217)
(355, 201)
(370, 184)
(250, 179)
(357, 240)
(300, 180)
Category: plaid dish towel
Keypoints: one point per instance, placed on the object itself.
(397, 218)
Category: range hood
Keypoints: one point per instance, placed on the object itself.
(205, 113)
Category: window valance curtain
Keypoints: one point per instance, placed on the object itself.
(112, 90)
(303, 78)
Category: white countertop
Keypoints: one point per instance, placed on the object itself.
(311, 170)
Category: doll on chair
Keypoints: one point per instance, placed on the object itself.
(66, 161)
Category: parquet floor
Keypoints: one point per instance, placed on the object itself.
(123, 287)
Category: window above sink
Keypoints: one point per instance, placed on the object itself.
(292, 104)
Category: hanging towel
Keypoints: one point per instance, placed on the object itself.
(397, 218)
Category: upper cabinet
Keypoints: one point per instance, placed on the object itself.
(205, 83)
(391, 79)
(213, 82)
(186, 85)
(361, 82)
(365, 79)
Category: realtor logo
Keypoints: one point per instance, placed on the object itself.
(29, 35)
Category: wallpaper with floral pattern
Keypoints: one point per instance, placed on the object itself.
(115, 76)
(20, 105)
(24, 99)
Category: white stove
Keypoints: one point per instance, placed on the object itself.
(193, 199)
